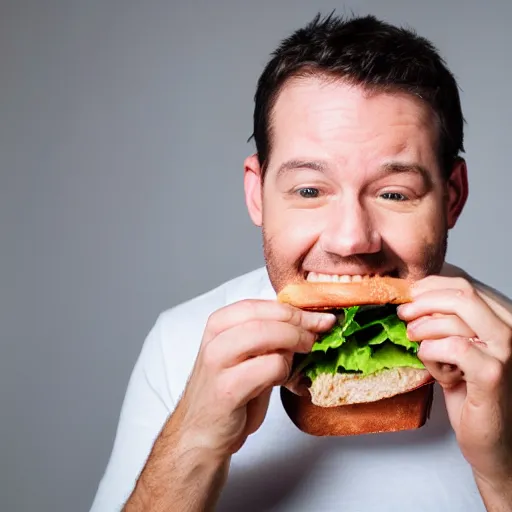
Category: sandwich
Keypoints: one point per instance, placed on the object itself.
(363, 376)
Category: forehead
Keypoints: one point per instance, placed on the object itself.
(334, 120)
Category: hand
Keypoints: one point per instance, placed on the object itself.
(467, 349)
(247, 348)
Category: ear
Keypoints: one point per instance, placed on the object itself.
(457, 192)
(253, 186)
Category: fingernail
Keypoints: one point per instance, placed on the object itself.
(327, 318)
(402, 310)
(324, 321)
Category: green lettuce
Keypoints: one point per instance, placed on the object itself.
(364, 341)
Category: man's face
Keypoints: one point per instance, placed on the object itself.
(353, 186)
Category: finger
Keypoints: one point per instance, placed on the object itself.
(249, 379)
(447, 375)
(463, 281)
(433, 327)
(247, 310)
(470, 308)
(451, 281)
(482, 372)
(256, 338)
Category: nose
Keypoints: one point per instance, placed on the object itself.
(349, 231)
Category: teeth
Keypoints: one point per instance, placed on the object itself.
(331, 278)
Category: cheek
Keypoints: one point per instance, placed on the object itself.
(408, 235)
(292, 232)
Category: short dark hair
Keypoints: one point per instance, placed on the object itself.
(368, 52)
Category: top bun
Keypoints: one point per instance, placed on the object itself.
(332, 295)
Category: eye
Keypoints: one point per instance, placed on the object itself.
(308, 192)
(394, 196)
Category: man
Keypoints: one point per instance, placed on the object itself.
(359, 130)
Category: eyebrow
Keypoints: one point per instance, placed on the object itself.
(292, 165)
(402, 168)
(388, 168)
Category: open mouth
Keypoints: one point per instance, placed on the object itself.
(317, 277)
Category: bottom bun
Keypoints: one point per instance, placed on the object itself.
(406, 411)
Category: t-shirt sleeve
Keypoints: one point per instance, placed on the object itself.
(147, 405)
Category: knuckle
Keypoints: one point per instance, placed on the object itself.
(281, 368)
(294, 316)
(258, 328)
(465, 288)
(288, 314)
(248, 308)
(213, 324)
(209, 356)
(458, 346)
(493, 374)
(227, 316)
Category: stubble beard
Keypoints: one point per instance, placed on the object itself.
(282, 272)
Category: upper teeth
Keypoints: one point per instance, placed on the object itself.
(315, 277)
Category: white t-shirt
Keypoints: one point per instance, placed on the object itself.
(280, 468)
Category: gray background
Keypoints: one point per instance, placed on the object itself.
(123, 128)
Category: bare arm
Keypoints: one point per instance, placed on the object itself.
(496, 499)
(247, 348)
(496, 494)
(178, 476)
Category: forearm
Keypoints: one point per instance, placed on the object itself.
(497, 497)
(178, 476)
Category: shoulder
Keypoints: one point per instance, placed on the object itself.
(191, 313)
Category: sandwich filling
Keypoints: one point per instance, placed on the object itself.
(364, 341)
